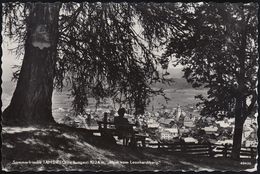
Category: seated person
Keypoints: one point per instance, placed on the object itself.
(123, 127)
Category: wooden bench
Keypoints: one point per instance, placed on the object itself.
(109, 129)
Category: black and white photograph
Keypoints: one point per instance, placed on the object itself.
(129, 86)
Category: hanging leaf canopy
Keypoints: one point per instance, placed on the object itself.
(108, 49)
(220, 53)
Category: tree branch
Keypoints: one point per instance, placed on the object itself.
(73, 18)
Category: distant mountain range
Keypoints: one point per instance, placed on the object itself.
(176, 75)
(178, 83)
(179, 92)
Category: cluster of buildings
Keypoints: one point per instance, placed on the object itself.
(178, 124)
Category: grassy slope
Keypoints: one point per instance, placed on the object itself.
(69, 144)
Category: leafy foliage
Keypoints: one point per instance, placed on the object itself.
(219, 52)
(108, 49)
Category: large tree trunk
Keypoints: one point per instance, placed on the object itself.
(237, 138)
(31, 102)
(238, 130)
(240, 108)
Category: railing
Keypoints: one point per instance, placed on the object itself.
(212, 150)
(245, 152)
(104, 125)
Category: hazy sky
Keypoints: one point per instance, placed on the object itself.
(9, 60)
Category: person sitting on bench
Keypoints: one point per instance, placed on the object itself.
(123, 127)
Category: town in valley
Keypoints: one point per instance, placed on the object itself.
(179, 124)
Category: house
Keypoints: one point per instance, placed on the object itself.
(190, 140)
(223, 123)
(210, 129)
(250, 143)
(165, 136)
(151, 123)
(174, 131)
(247, 131)
(168, 133)
(226, 141)
(189, 121)
(166, 122)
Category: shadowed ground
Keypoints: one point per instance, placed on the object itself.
(62, 143)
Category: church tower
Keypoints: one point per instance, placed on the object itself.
(178, 114)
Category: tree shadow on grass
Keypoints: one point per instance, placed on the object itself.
(62, 143)
(49, 143)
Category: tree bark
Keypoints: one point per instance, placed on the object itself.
(240, 108)
(238, 130)
(32, 100)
